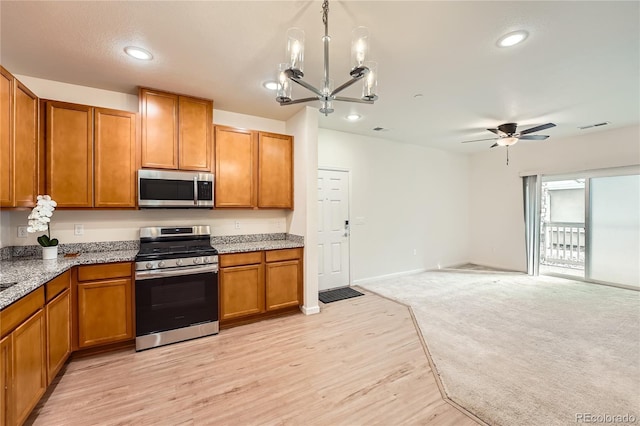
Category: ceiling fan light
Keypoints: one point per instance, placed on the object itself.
(507, 141)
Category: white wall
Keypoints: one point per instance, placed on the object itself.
(403, 197)
(496, 204)
(5, 229)
(58, 91)
(303, 219)
(123, 224)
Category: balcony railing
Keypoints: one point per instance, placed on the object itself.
(563, 244)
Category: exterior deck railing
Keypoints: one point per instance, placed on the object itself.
(563, 243)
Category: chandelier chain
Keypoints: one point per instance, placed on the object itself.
(325, 12)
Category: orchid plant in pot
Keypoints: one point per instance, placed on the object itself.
(40, 220)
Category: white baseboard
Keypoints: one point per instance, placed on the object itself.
(310, 310)
(387, 276)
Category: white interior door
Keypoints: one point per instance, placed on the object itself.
(333, 229)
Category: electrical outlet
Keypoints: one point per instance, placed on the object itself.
(237, 224)
(22, 232)
(415, 252)
(78, 229)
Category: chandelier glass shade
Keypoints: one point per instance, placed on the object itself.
(292, 71)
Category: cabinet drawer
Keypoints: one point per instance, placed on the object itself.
(240, 259)
(285, 254)
(18, 312)
(105, 271)
(57, 285)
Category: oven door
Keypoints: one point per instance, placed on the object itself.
(169, 300)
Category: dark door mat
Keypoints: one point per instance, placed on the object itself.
(329, 296)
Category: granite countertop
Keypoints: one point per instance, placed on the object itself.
(31, 273)
(25, 271)
(243, 247)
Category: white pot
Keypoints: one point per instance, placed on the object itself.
(49, 252)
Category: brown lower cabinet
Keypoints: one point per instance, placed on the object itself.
(104, 304)
(58, 316)
(36, 331)
(259, 283)
(29, 368)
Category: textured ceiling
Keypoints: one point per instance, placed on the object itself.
(579, 66)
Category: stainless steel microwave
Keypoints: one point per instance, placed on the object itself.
(173, 189)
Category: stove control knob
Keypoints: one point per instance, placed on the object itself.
(161, 264)
(179, 262)
(149, 265)
(207, 259)
(196, 260)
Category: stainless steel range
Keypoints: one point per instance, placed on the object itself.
(176, 285)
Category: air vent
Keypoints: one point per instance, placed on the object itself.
(604, 123)
(380, 129)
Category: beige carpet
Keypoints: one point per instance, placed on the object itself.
(519, 350)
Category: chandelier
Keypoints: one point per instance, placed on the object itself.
(361, 69)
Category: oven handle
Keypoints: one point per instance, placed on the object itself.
(175, 272)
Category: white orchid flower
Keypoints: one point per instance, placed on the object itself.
(40, 218)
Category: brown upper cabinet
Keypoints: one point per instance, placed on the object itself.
(176, 131)
(91, 156)
(275, 171)
(236, 163)
(21, 172)
(115, 164)
(253, 169)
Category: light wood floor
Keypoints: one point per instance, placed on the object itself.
(358, 362)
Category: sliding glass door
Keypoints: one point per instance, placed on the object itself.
(588, 226)
(562, 227)
(614, 230)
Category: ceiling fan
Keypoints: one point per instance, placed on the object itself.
(508, 135)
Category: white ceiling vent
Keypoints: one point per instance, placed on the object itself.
(604, 123)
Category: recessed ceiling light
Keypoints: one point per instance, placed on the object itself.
(138, 53)
(270, 85)
(354, 117)
(512, 39)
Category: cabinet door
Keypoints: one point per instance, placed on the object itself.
(241, 291)
(104, 312)
(282, 280)
(275, 171)
(6, 138)
(58, 313)
(69, 157)
(235, 167)
(195, 142)
(159, 129)
(29, 367)
(115, 158)
(6, 381)
(26, 146)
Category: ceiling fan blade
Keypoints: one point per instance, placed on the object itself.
(497, 132)
(537, 128)
(480, 140)
(533, 137)
(494, 145)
